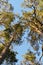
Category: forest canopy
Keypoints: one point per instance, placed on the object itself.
(12, 33)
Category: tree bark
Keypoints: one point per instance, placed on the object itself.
(4, 51)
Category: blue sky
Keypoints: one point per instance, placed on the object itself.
(17, 5)
(22, 49)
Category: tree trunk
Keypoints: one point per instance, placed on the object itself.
(4, 51)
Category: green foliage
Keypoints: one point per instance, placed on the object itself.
(34, 20)
(1, 47)
(11, 56)
(6, 18)
(18, 32)
(29, 57)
